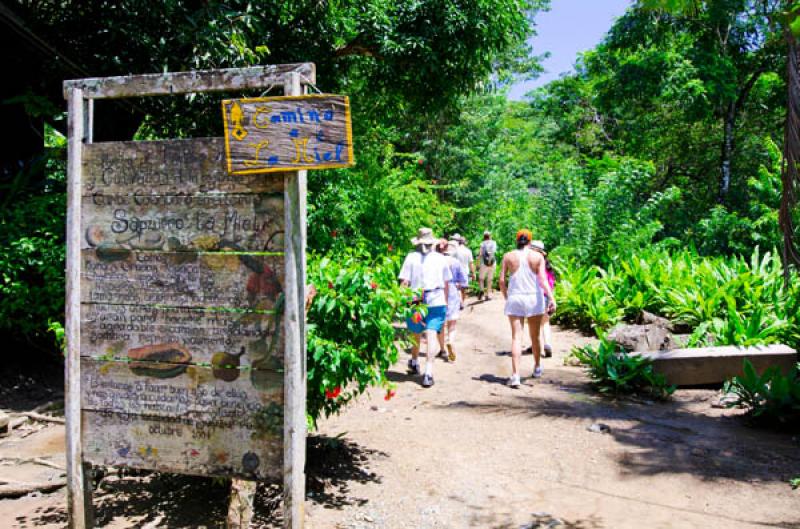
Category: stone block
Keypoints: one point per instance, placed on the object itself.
(715, 365)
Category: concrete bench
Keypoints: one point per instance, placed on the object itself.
(715, 365)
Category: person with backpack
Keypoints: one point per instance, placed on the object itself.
(538, 246)
(487, 256)
(464, 256)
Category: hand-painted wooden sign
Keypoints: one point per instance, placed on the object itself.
(186, 273)
(271, 134)
(181, 292)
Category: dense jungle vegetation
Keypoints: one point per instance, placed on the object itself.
(653, 172)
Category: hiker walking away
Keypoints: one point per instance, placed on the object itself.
(525, 292)
(428, 271)
(459, 281)
(464, 256)
(487, 257)
(538, 246)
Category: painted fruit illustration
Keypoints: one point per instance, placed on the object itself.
(95, 236)
(148, 241)
(110, 253)
(166, 360)
(264, 283)
(225, 366)
(250, 462)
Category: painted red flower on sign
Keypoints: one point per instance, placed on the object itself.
(389, 394)
(333, 393)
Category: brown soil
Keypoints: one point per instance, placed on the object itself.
(471, 452)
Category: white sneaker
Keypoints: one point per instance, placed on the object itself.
(537, 372)
(514, 382)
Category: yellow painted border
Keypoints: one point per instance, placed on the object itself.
(348, 133)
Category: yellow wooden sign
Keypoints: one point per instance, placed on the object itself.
(273, 134)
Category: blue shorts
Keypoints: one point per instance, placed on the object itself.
(434, 321)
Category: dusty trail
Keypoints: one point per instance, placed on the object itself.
(473, 453)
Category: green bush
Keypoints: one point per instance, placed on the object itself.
(770, 398)
(725, 300)
(351, 337)
(32, 251)
(615, 372)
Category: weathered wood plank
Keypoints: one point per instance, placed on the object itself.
(185, 445)
(229, 79)
(294, 427)
(182, 279)
(184, 223)
(271, 134)
(241, 506)
(79, 517)
(170, 389)
(216, 337)
(166, 167)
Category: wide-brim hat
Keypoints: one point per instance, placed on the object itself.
(538, 245)
(452, 247)
(424, 236)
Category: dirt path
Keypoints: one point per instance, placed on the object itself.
(473, 453)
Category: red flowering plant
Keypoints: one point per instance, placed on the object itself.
(351, 332)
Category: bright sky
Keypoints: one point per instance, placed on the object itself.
(570, 27)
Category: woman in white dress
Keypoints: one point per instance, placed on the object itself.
(528, 296)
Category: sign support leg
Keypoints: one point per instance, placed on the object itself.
(78, 504)
(294, 422)
(240, 508)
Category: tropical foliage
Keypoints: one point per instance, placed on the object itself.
(351, 337)
(615, 372)
(723, 301)
(771, 397)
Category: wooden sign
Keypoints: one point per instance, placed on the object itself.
(185, 325)
(271, 134)
(181, 359)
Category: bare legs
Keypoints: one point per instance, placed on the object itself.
(546, 335)
(415, 346)
(535, 329)
(431, 350)
(516, 342)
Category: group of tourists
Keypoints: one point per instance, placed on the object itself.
(442, 269)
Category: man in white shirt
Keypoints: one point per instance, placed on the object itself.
(464, 256)
(426, 270)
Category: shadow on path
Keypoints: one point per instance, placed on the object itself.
(179, 501)
(664, 438)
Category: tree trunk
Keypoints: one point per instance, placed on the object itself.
(729, 124)
(791, 155)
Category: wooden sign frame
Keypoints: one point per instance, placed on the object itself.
(80, 95)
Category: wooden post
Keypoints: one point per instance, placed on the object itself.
(240, 508)
(294, 422)
(79, 516)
